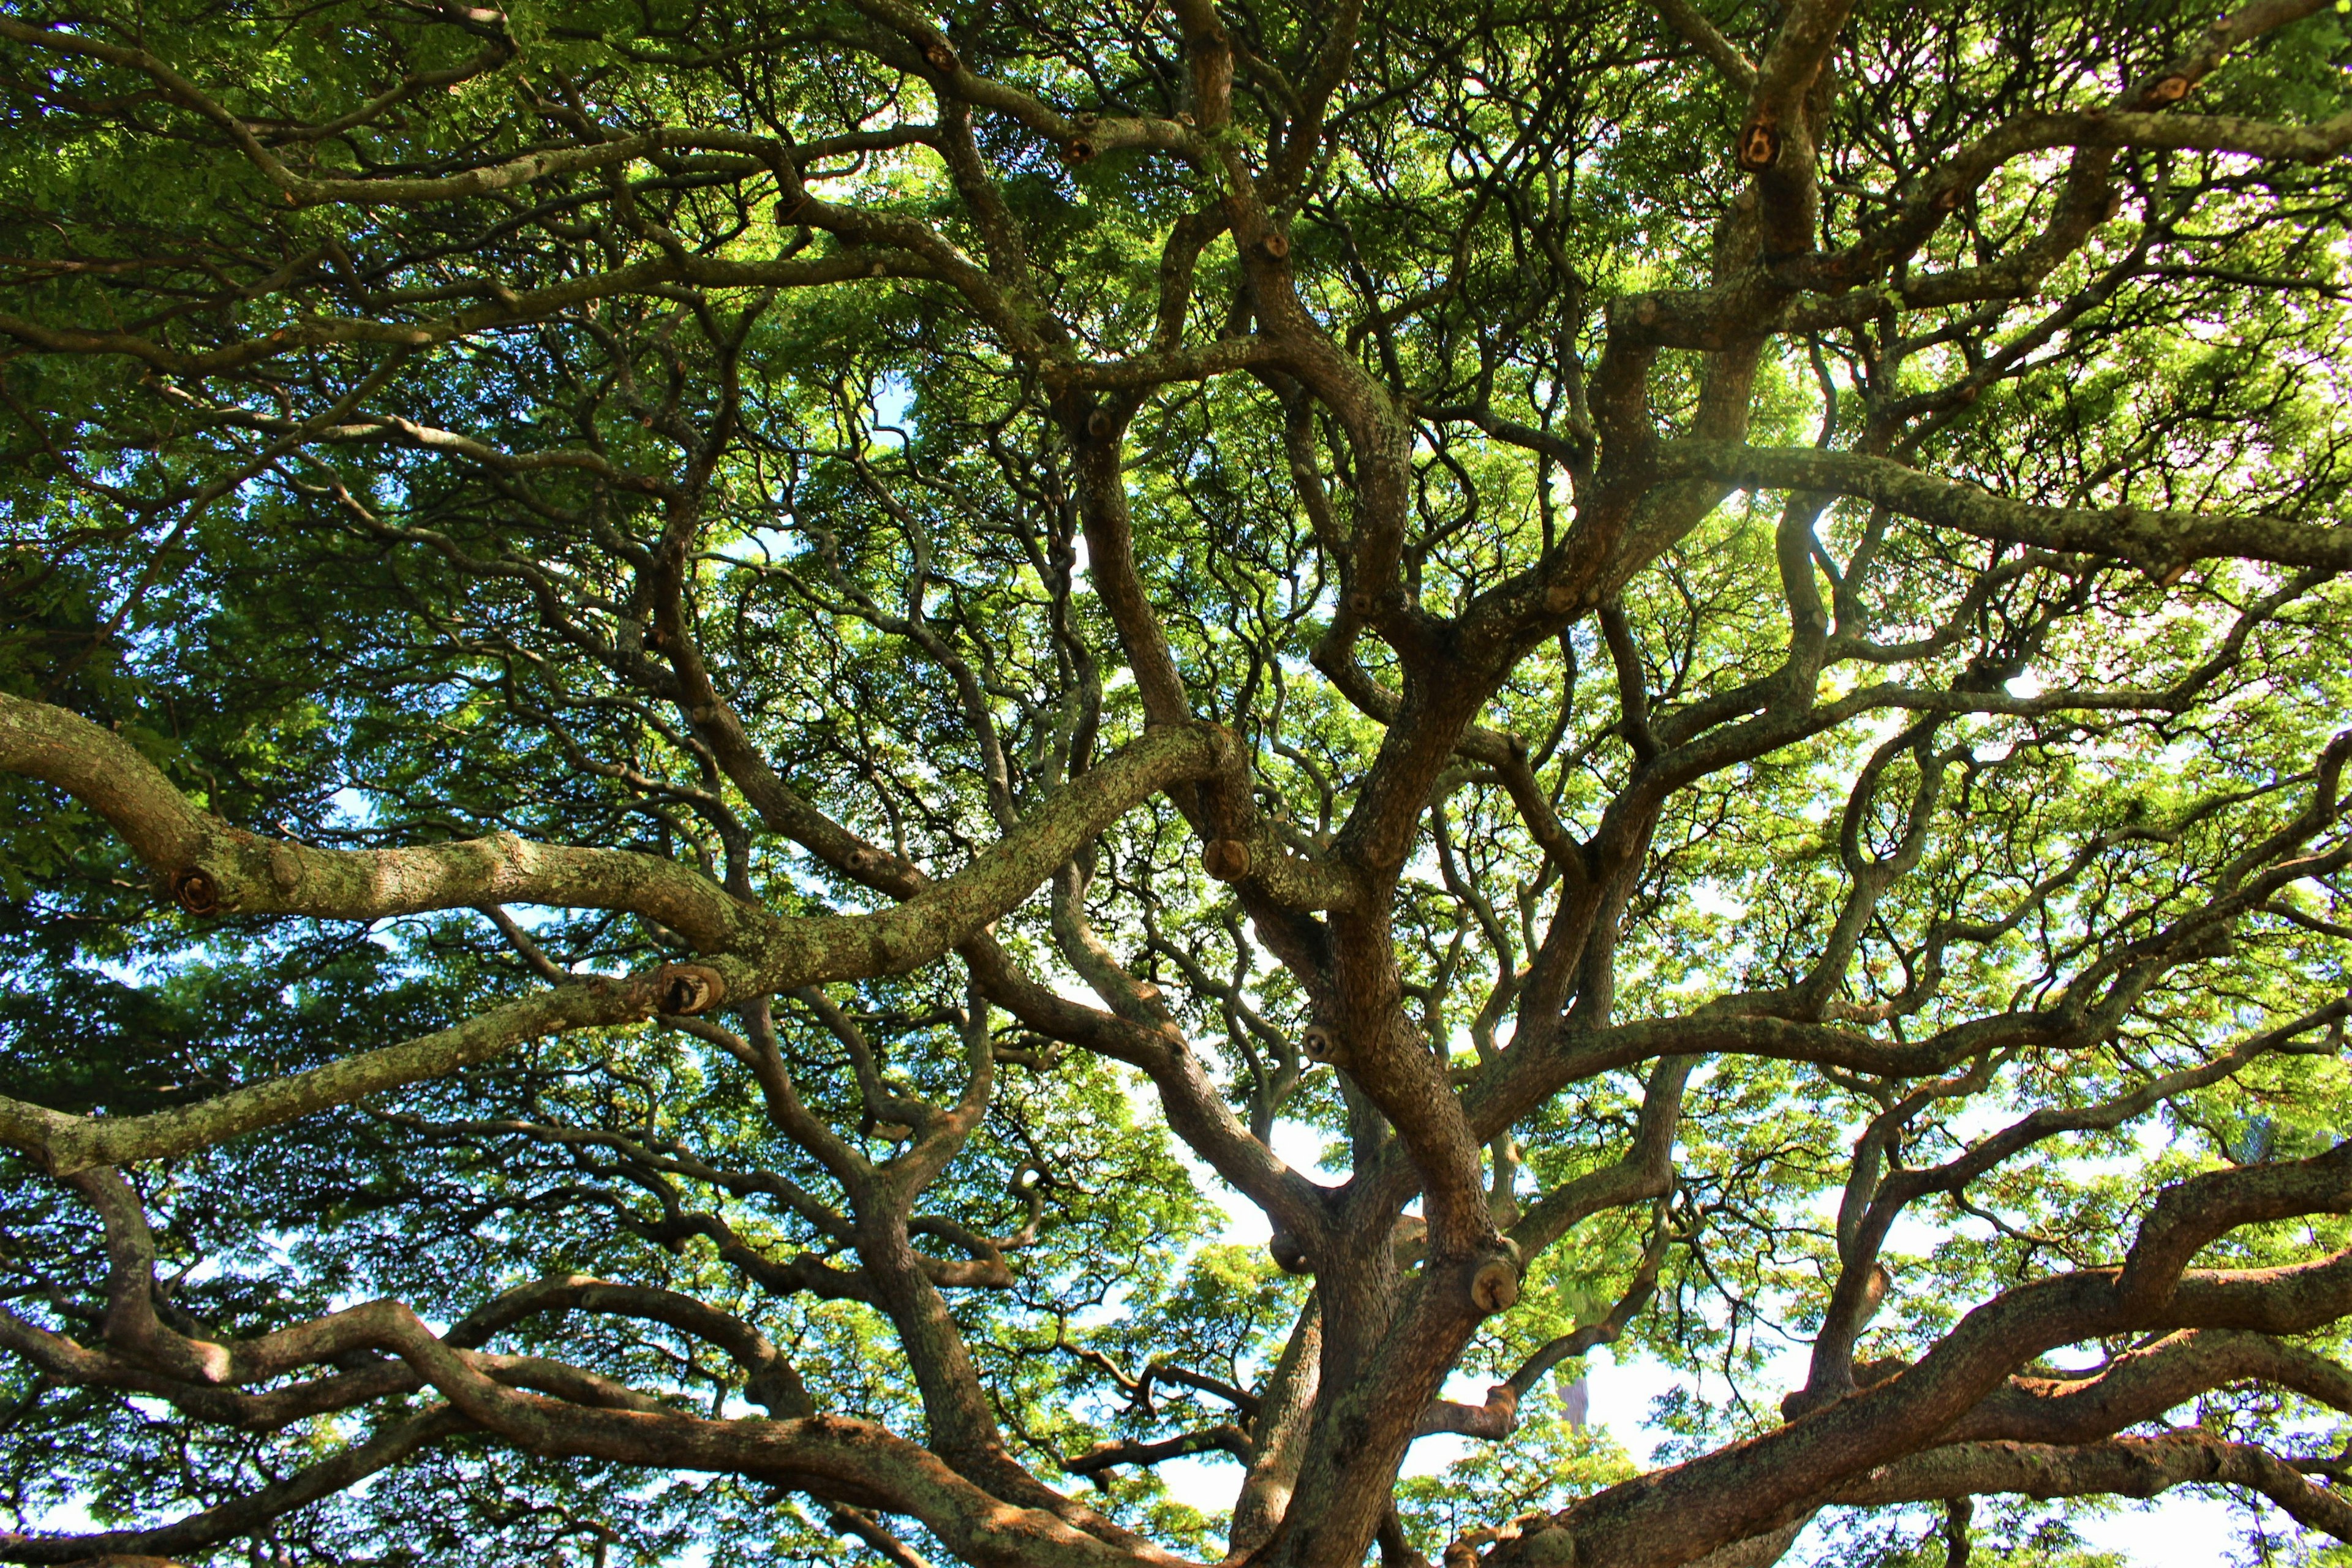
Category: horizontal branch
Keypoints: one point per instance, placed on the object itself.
(831, 1457)
(2122, 1467)
(220, 869)
(515, 309)
(216, 869)
(1107, 1456)
(770, 1377)
(2143, 1383)
(2158, 542)
(63, 1145)
(1140, 372)
(485, 179)
(1935, 197)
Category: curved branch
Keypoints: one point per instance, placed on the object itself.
(2142, 1384)
(217, 869)
(770, 1377)
(64, 1144)
(2122, 1467)
(1104, 1457)
(247, 1514)
(1738, 1491)
(2158, 542)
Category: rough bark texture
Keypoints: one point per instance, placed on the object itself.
(1514, 731)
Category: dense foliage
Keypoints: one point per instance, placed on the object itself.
(711, 716)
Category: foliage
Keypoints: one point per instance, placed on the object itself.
(710, 718)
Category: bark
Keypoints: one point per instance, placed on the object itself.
(1238, 133)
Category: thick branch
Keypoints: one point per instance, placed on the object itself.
(2122, 1467)
(64, 1144)
(2159, 542)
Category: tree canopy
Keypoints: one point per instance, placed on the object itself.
(718, 721)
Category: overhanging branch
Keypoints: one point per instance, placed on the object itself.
(2161, 542)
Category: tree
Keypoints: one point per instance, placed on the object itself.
(700, 704)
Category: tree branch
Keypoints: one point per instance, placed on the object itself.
(2158, 542)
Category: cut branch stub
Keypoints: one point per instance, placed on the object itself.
(1319, 1043)
(1494, 1284)
(1531, 1540)
(941, 58)
(1226, 859)
(197, 890)
(1289, 1253)
(682, 990)
(2172, 90)
(1760, 146)
(1275, 245)
(1078, 150)
(1504, 1401)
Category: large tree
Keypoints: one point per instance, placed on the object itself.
(704, 705)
